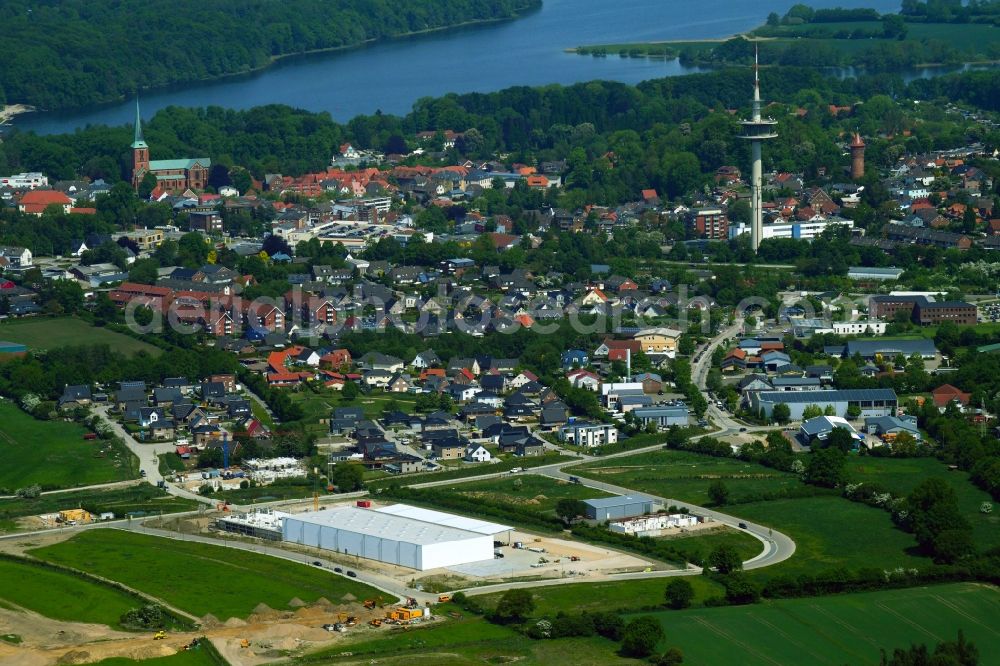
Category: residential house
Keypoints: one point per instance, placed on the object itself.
(477, 453)
(946, 394)
(574, 358)
(658, 340)
(584, 433)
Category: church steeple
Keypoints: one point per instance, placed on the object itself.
(140, 151)
(138, 141)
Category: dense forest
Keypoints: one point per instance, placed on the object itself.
(75, 52)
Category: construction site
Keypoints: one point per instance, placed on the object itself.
(401, 544)
(265, 636)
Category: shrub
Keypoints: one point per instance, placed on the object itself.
(147, 617)
(640, 636)
(679, 593)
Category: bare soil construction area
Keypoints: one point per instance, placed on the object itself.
(272, 635)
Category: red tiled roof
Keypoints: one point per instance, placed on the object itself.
(946, 393)
(44, 198)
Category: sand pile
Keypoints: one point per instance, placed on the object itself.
(296, 603)
(235, 622)
(209, 621)
(74, 657)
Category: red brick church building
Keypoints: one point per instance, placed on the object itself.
(171, 175)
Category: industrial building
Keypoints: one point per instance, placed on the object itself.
(261, 524)
(663, 416)
(871, 402)
(402, 535)
(889, 348)
(620, 506)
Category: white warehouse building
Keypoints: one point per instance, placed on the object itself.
(402, 535)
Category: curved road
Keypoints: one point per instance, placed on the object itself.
(777, 546)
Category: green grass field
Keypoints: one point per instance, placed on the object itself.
(828, 530)
(901, 475)
(528, 490)
(41, 333)
(470, 640)
(53, 454)
(196, 577)
(141, 499)
(62, 596)
(622, 595)
(846, 629)
(832, 532)
(694, 545)
(687, 476)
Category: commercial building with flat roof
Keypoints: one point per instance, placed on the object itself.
(872, 273)
(662, 416)
(402, 535)
(922, 310)
(871, 402)
(620, 506)
(891, 347)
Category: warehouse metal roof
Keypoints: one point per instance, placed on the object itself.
(886, 346)
(617, 500)
(384, 525)
(444, 519)
(845, 395)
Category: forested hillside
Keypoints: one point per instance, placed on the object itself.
(65, 53)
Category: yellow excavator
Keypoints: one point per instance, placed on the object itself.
(160, 635)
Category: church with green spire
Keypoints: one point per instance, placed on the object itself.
(175, 175)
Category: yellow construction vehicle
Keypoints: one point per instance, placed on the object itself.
(369, 603)
(376, 622)
(160, 635)
(342, 617)
(244, 643)
(352, 621)
(444, 598)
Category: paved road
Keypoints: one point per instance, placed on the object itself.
(149, 460)
(96, 486)
(778, 547)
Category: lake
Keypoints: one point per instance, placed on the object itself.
(391, 76)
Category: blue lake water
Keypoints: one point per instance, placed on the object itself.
(391, 76)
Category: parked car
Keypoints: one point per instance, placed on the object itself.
(352, 574)
(338, 570)
(317, 563)
(743, 526)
